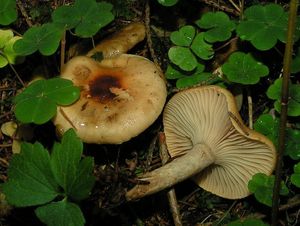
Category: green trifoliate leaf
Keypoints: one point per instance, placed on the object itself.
(8, 11)
(243, 68)
(86, 16)
(183, 58)
(201, 48)
(5, 36)
(172, 73)
(247, 222)
(295, 177)
(268, 126)
(45, 38)
(61, 213)
(167, 2)
(72, 174)
(262, 187)
(219, 24)
(184, 36)
(274, 93)
(38, 102)
(292, 146)
(31, 181)
(263, 26)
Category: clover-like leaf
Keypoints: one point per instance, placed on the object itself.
(45, 38)
(268, 126)
(219, 24)
(247, 222)
(263, 26)
(5, 36)
(172, 73)
(8, 11)
(31, 181)
(37, 103)
(201, 48)
(184, 36)
(274, 93)
(86, 16)
(62, 213)
(262, 187)
(295, 67)
(183, 58)
(292, 146)
(243, 68)
(167, 2)
(295, 177)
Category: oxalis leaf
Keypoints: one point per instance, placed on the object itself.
(262, 187)
(295, 177)
(61, 213)
(167, 2)
(274, 93)
(183, 58)
(201, 48)
(243, 68)
(263, 26)
(8, 11)
(30, 180)
(219, 24)
(184, 36)
(37, 103)
(86, 16)
(45, 38)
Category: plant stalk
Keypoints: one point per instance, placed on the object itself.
(181, 168)
(284, 107)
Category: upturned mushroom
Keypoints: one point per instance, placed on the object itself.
(120, 96)
(208, 141)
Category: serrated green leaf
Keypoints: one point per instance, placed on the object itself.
(65, 158)
(184, 36)
(247, 222)
(243, 68)
(167, 2)
(30, 180)
(61, 213)
(37, 103)
(8, 12)
(183, 58)
(201, 48)
(262, 187)
(45, 38)
(263, 26)
(219, 24)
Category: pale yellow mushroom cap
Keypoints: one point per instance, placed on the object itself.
(120, 98)
(208, 115)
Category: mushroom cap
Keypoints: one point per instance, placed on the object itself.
(208, 115)
(120, 97)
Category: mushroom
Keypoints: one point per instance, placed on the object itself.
(120, 97)
(208, 141)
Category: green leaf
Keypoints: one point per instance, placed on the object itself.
(61, 213)
(172, 73)
(247, 222)
(8, 12)
(292, 146)
(274, 93)
(295, 67)
(167, 2)
(45, 38)
(73, 175)
(9, 52)
(183, 57)
(201, 48)
(243, 68)
(5, 36)
(219, 24)
(86, 16)
(37, 103)
(192, 80)
(295, 177)
(262, 187)
(30, 182)
(184, 36)
(263, 26)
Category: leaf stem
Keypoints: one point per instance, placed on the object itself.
(284, 107)
(62, 50)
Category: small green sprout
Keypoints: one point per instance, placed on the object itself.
(243, 68)
(38, 102)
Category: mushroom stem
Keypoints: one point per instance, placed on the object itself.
(181, 168)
